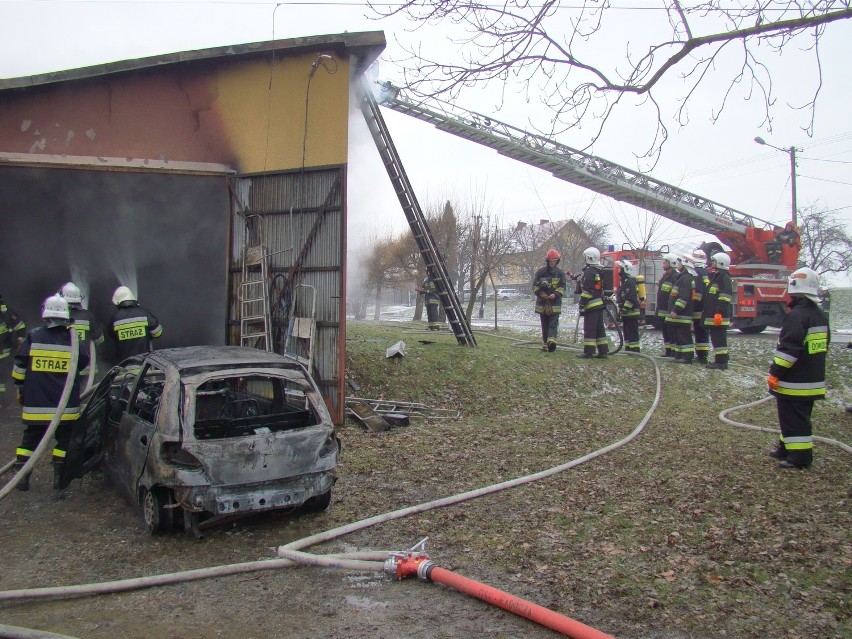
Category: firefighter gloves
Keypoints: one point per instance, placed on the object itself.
(717, 319)
(772, 382)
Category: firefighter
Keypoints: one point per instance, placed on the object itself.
(716, 314)
(549, 285)
(664, 289)
(87, 326)
(797, 372)
(131, 327)
(12, 329)
(429, 291)
(702, 339)
(590, 288)
(680, 310)
(40, 374)
(629, 304)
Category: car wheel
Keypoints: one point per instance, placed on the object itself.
(317, 504)
(156, 510)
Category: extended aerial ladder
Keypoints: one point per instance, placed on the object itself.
(747, 236)
(435, 266)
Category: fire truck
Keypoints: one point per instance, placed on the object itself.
(760, 260)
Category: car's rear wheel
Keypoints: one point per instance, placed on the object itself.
(157, 510)
(318, 504)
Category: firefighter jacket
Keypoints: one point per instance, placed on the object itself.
(11, 325)
(664, 289)
(590, 288)
(549, 280)
(40, 372)
(680, 299)
(700, 281)
(628, 297)
(132, 328)
(88, 330)
(799, 358)
(717, 298)
(430, 292)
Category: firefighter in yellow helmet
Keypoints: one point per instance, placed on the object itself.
(548, 287)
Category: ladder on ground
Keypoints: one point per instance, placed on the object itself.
(576, 167)
(435, 266)
(254, 288)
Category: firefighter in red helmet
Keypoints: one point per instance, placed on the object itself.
(549, 287)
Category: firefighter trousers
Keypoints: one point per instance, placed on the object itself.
(594, 332)
(796, 440)
(630, 326)
(719, 340)
(549, 327)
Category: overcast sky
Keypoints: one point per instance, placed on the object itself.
(719, 161)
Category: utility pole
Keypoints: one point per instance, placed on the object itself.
(792, 151)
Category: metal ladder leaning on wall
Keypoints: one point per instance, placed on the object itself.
(254, 288)
(435, 266)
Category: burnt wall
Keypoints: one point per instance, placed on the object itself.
(165, 236)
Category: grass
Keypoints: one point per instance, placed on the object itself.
(690, 530)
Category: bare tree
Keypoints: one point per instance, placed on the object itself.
(582, 60)
(826, 241)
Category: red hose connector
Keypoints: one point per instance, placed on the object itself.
(407, 563)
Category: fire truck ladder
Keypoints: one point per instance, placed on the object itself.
(435, 266)
(576, 167)
(254, 288)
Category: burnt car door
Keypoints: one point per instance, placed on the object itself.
(86, 447)
(133, 432)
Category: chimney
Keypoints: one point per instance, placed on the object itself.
(543, 222)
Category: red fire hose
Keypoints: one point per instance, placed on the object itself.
(426, 570)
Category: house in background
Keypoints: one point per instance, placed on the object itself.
(146, 173)
(528, 244)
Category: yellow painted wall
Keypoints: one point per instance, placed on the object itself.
(265, 126)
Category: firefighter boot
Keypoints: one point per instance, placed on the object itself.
(24, 483)
(58, 465)
(780, 452)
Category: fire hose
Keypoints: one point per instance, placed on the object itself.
(47, 438)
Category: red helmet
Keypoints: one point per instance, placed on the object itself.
(553, 254)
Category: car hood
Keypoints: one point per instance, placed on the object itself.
(255, 459)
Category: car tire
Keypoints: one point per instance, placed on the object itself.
(318, 504)
(157, 511)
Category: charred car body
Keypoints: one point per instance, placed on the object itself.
(207, 433)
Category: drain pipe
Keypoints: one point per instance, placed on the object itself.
(47, 439)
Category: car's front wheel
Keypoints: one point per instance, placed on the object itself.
(158, 510)
(317, 504)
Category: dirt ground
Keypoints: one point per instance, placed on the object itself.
(93, 535)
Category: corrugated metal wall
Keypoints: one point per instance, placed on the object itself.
(290, 205)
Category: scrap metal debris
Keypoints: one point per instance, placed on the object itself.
(385, 406)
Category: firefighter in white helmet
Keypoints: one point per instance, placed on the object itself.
(680, 310)
(664, 290)
(716, 314)
(590, 288)
(702, 338)
(85, 323)
(131, 327)
(40, 373)
(797, 372)
(627, 299)
(12, 330)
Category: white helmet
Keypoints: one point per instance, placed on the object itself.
(55, 307)
(71, 293)
(699, 256)
(592, 256)
(723, 261)
(629, 267)
(123, 294)
(687, 263)
(804, 281)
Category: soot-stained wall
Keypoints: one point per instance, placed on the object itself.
(164, 235)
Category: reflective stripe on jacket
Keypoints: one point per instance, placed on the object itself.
(799, 358)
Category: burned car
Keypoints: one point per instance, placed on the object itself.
(202, 434)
